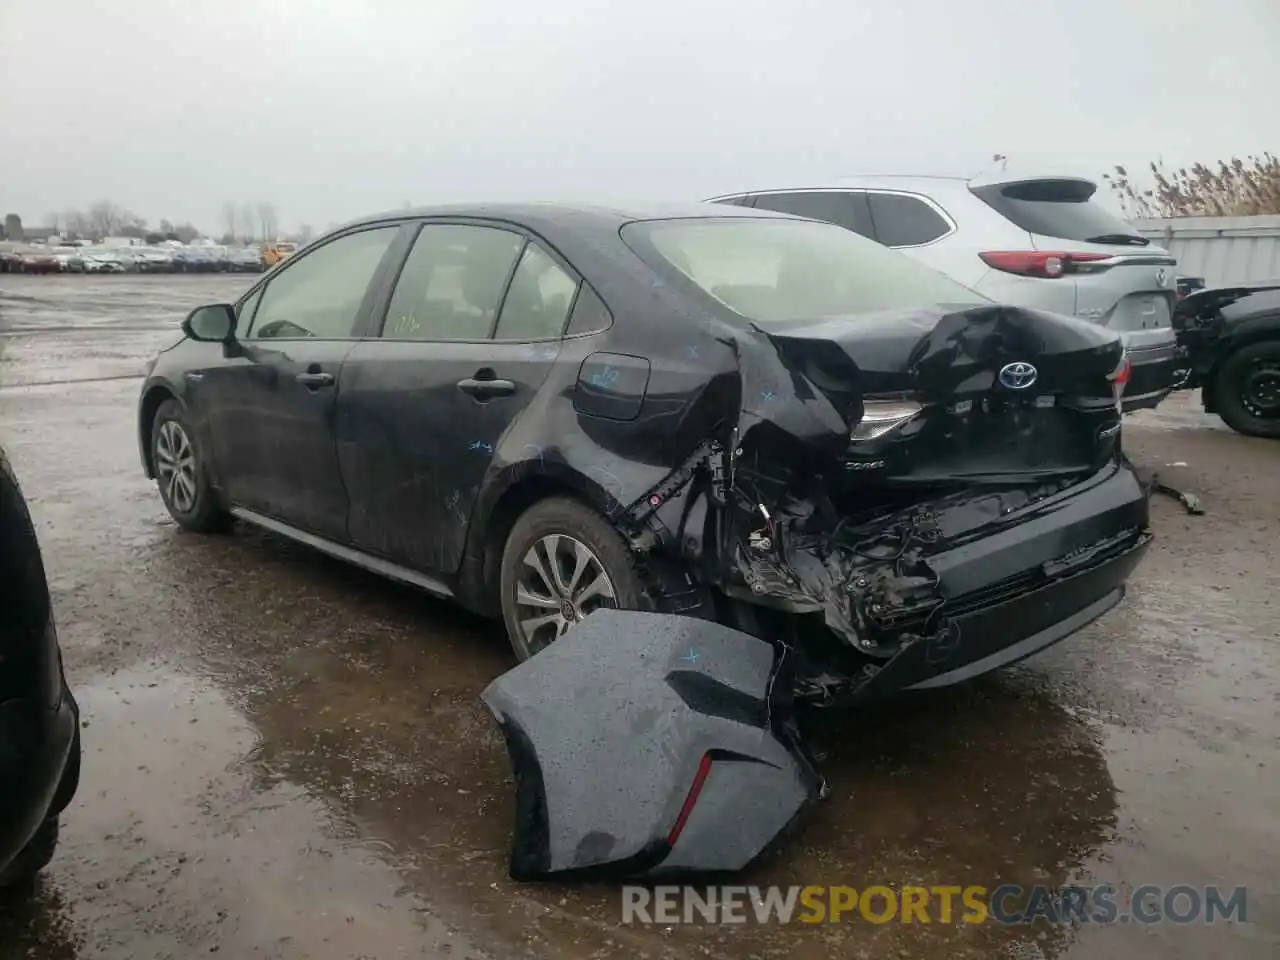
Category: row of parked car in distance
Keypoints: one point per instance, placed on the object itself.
(104, 259)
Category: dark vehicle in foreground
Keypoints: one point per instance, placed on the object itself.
(1230, 337)
(39, 719)
(708, 411)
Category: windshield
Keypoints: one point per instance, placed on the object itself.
(771, 271)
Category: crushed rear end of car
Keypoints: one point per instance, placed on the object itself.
(924, 495)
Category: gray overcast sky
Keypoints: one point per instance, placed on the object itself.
(336, 109)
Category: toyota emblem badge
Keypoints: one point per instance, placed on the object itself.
(1017, 376)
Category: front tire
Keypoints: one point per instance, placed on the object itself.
(562, 560)
(182, 474)
(1248, 390)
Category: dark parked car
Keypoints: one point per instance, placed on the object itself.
(200, 260)
(724, 413)
(1231, 340)
(1185, 286)
(39, 719)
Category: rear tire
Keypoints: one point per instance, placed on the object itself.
(35, 856)
(562, 560)
(182, 473)
(1247, 390)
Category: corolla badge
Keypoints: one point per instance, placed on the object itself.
(1017, 376)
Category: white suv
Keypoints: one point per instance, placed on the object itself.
(1038, 242)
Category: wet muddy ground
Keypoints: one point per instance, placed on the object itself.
(285, 757)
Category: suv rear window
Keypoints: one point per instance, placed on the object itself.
(1058, 208)
(772, 271)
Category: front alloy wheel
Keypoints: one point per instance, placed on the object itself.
(180, 472)
(176, 467)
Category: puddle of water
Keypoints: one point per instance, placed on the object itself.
(178, 845)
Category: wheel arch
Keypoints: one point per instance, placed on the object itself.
(481, 578)
(154, 395)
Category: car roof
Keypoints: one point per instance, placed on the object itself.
(569, 215)
(911, 182)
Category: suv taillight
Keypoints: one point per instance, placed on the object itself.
(1048, 265)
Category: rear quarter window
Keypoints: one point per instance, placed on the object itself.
(1063, 209)
(905, 221)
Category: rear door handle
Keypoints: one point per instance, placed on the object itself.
(314, 381)
(484, 389)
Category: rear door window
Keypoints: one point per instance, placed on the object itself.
(452, 283)
(846, 209)
(902, 220)
(539, 298)
(1063, 209)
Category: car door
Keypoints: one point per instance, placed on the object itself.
(845, 208)
(470, 332)
(270, 405)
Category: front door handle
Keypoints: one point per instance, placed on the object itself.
(314, 381)
(486, 389)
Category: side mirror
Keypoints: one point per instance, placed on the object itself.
(215, 323)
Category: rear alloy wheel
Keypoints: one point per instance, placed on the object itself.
(561, 562)
(180, 472)
(1248, 390)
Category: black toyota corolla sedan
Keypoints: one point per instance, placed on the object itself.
(39, 719)
(544, 409)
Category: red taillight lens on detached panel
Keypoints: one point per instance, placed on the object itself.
(1120, 378)
(1048, 265)
(699, 778)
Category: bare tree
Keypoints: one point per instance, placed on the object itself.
(230, 218)
(1236, 188)
(13, 227)
(132, 225)
(54, 220)
(105, 219)
(185, 232)
(268, 220)
(76, 224)
(306, 233)
(246, 221)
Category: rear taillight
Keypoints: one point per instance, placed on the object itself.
(881, 416)
(1048, 265)
(1120, 379)
(699, 779)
